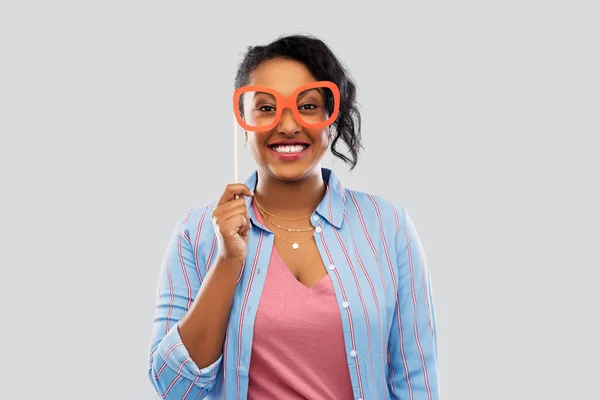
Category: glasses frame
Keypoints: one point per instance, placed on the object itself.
(284, 102)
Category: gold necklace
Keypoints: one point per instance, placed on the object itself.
(289, 229)
(281, 218)
(295, 244)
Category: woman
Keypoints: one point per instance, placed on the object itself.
(291, 286)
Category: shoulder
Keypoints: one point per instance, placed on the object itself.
(368, 206)
(196, 222)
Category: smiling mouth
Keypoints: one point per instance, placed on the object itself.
(288, 148)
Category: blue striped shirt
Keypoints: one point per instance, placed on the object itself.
(381, 280)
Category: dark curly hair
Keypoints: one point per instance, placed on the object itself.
(323, 65)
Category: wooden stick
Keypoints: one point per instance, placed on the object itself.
(235, 151)
(235, 154)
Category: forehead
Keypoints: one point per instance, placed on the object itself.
(281, 75)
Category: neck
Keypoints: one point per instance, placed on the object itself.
(290, 199)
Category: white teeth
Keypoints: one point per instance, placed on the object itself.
(294, 148)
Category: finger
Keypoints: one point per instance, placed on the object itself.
(246, 228)
(243, 224)
(233, 218)
(223, 208)
(232, 189)
(245, 232)
(233, 211)
(236, 224)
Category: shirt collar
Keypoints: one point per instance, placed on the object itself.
(331, 207)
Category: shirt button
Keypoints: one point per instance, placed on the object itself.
(331, 267)
(353, 353)
(345, 304)
(316, 217)
(318, 229)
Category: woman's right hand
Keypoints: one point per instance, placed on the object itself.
(231, 222)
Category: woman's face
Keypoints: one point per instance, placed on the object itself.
(289, 151)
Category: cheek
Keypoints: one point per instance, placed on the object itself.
(256, 141)
(256, 144)
(321, 140)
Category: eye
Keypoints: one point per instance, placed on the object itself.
(308, 106)
(266, 108)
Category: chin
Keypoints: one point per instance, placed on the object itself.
(290, 172)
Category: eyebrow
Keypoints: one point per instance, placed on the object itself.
(308, 91)
(256, 93)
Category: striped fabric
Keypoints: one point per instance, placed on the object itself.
(381, 280)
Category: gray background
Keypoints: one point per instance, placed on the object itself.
(481, 118)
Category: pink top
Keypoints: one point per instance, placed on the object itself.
(298, 348)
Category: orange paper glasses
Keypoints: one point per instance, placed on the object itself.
(259, 108)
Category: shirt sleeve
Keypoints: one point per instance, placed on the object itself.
(171, 370)
(412, 346)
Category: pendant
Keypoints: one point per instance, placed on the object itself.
(295, 246)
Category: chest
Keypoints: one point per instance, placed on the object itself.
(305, 264)
(341, 264)
(361, 272)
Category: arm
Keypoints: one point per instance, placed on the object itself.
(188, 334)
(413, 355)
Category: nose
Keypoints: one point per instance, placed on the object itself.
(288, 124)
